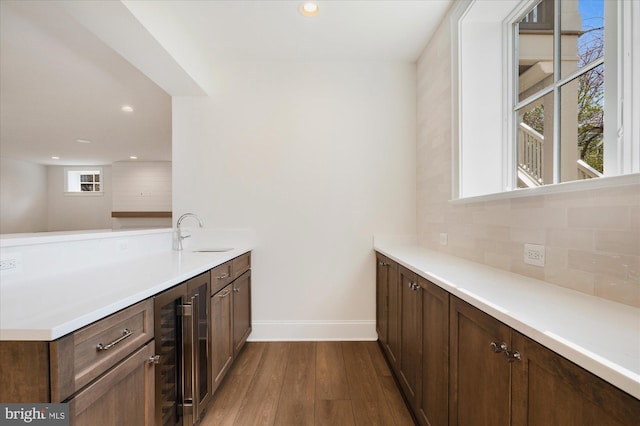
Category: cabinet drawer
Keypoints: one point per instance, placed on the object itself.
(241, 264)
(123, 396)
(220, 276)
(80, 357)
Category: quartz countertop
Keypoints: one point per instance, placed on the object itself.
(601, 336)
(47, 308)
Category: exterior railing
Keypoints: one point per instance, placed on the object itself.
(585, 171)
(530, 152)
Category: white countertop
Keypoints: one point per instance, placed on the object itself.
(49, 308)
(601, 336)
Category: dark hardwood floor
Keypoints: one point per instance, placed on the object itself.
(308, 383)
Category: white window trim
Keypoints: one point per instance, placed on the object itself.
(629, 145)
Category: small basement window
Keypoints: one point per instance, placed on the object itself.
(83, 180)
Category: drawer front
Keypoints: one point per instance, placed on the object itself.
(220, 276)
(241, 264)
(103, 344)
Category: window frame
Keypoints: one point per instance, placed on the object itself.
(69, 170)
(628, 154)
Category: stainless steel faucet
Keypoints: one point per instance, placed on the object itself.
(177, 243)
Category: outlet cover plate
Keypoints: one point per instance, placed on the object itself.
(534, 254)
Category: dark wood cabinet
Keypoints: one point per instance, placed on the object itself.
(479, 380)
(433, 408)
(124, 395)
(410, 336)
(388, 308)
(421, 312)
(382, 302)
(547, 389)
(241, 310)
(230, 315)
(109, 363)
(457, 365)
(221, 334)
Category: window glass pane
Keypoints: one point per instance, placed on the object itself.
(97, 187)
(96, 178)
(582, 126)
(535, 143)
(86, 178)
(535, 49)
(86, 187)
(582, 32)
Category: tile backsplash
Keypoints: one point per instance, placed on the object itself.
(591, 237)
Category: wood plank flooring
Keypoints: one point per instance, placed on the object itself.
(308, 383)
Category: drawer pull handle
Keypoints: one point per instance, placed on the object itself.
(509, 356)
(225, 294)
(223, 276)
(125, 333)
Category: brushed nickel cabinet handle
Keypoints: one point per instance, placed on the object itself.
(223, 276)
(224, 294)
(125, 333)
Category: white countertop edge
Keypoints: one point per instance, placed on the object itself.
(59, 330)
(619, 376)
(15, 240)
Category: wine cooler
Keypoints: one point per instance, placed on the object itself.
(182, 341)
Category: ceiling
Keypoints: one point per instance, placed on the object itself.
(64, 76)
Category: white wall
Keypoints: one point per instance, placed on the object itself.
(141, 186)
(23, 197)
(316, 158)
(78, 211)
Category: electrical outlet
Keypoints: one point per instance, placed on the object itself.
(11, 263)
(534, 254)
(444, 239)
(8, 264)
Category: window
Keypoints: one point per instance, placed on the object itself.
(83, 180)
(559, 60)
(533, 104)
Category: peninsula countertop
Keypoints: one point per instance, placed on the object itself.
(47, 308)
(601, 336)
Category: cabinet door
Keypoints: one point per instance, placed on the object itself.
(479, 378)
(123, 396)
(393, 320)
(241, 311)
(382, 304)
(433, 397)
(410, 325)
(547, 389)
(221, 334)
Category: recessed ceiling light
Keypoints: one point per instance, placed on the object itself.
(309, 9)
(83, 141)
(133, 157)
(55, 158)
(126, 108)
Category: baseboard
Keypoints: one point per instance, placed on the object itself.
(269, 331)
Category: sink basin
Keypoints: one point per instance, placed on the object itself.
(211, 250)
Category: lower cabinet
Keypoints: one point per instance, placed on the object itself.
(479, 379)
(123, 396)
(424, 360)
(241, 311)
(221, 334)
(104, 371)
(388, 308)
(458, 365)
(230, 316)
(547, 389)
